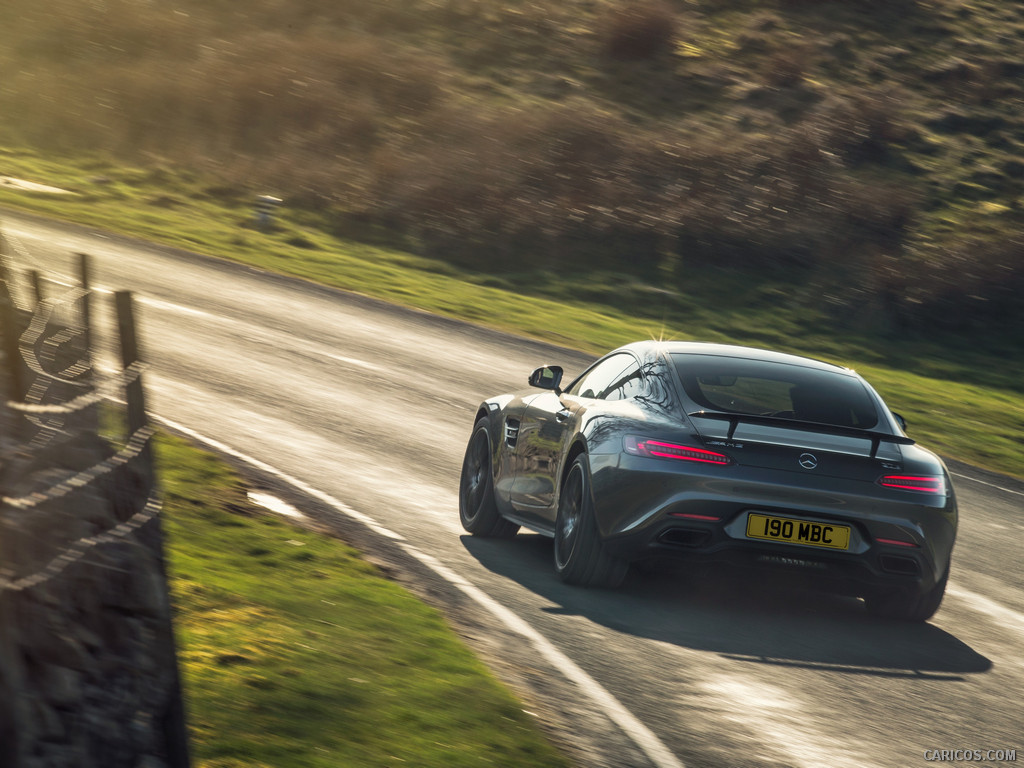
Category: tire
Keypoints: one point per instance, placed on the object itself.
(580, 555)
(477, 509)
(900, 606)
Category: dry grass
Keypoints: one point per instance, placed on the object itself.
(628, 134)
(638, 29)
(296, 652)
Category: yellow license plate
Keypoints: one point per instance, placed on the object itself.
(797, 531)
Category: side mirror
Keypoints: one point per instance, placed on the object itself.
(900, 420)
(548, 377)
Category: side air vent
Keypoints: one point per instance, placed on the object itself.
(511, 432)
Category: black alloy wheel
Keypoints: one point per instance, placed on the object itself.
(580, 555)
(478, 511)
(914, 607)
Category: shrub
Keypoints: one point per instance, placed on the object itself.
(861, 127)
(971, 286)
(788, 67)
(423, 123)
(638, 29)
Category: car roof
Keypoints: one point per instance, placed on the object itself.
(659, 348)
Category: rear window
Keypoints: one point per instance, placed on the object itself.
(737, 385)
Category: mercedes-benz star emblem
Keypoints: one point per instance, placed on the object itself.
(808, 460)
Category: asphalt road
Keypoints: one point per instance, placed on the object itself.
(367, 407)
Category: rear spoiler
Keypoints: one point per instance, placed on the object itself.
(734, 419)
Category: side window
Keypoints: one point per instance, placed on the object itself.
(629, 383)
(597, 381)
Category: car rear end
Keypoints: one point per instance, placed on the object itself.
(782, 463)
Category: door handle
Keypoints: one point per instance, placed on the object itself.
(563, 414)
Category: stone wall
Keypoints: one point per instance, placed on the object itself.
(88, 672)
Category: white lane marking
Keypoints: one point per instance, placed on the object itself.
(353, 361)
(33, 186)
(274, 504)
(1006, 618)
(66, 282)
(398, 490)
(171, 307)
(641, 735)
(330, 501)
(168, 306)
(990, 485)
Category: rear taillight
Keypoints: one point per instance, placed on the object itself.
(896, 542)
(919, 483)
(641, 446)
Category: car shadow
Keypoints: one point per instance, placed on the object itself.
(753, 620)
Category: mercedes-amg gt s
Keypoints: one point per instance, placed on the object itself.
(716, 453)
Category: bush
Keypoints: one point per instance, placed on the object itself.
(429, 124)
(638, 29)
(975, 285)
(862, 127)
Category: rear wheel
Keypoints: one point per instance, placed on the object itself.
(914, 607)
(580, 555)
(478, 511)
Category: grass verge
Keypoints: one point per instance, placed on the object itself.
(960, 399)
(295, 652)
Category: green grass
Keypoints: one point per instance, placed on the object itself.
(296, 652)
(961, 399)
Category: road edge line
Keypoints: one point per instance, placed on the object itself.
(986, 482)
(639, 733)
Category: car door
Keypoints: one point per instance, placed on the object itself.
(548, 422)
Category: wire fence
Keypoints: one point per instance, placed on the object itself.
(81, 548)
(77, 476)
(53, 395)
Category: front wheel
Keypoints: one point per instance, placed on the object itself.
(580, 554)
(478, 511)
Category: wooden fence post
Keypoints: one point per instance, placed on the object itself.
(37, 286)
(4, 276)
(10, 331)
(174, 724)
(134, 393)
(84, 270)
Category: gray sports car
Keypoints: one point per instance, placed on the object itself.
(716, 453)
